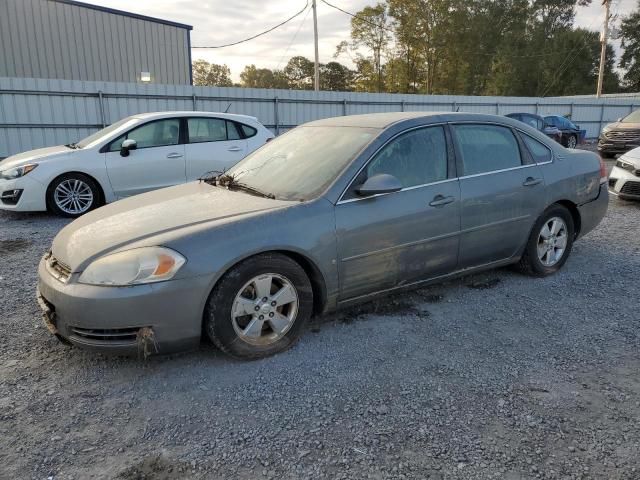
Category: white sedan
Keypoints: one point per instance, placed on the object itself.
(137, 154)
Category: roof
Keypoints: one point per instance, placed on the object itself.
(190, 113)
(384, 120)
(123, 13)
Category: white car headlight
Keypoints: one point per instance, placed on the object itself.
(133, 267)
(17, 172)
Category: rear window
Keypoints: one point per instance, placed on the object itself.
(538, 150)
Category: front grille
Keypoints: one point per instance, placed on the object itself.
(106, 335)
(57, 269)
(623, 135)
(631, 188)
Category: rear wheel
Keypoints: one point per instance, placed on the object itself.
(259, 307)
(549, 243)
(572, 141)
(73, 194)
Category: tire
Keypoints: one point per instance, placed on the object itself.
(607, 155)
(240, 324)
(572, 141)
(60, 201)
(531, 262)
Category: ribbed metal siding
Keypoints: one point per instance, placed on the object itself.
(37, 113)
(48, 39)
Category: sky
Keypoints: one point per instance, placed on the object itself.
(217, 22)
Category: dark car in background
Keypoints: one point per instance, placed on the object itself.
(570, 133)
(620, 136)
(537, 122)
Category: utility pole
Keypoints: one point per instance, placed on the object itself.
(603, 40)
(316, 66)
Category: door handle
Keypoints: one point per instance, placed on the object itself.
(174, 155)
(439, 201)
(234, 149)
(530, 182)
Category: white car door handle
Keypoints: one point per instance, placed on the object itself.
(174, 155)
(234, 149)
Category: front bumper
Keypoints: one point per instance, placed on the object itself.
(32, 197)
(611, 147)
(624, 184)
(160, 318)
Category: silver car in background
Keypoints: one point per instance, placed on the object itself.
(332, 213)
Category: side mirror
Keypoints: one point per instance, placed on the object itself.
(127, 145)
(380, 183)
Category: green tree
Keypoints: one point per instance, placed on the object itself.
(252, 77)
(630, 60)
(211, 74)
(335, 76)
(300, 72)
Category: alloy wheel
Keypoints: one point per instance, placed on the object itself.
(571, 142)
(552, 241)
(73, 196)
(265, 309)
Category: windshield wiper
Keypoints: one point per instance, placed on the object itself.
(230, 182)
(73, 146)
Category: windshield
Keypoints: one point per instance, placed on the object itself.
(302, 163)
(100, 135)
(633, 117)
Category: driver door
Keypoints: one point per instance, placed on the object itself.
(157, 162)
(389, 240)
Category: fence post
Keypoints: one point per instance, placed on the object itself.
(344, 106)
(195, 102)
(497, 108)
(402, 106)
(454, 107)
(601, 117)
(571, 111)
(101, 104)
(537, 108)
(275, 115)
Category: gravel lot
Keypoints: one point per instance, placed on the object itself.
(491, 376)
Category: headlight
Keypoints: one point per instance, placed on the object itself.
(17, 172)
(132, 267)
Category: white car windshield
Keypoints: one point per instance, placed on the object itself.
(303, 162)
(100, 135)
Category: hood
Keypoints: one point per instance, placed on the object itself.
(632, 156)
(33, 155)
(623, 126)
(163, 211)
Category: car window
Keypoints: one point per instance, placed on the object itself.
(486, 148)
(531, 121)
(232, 131)
(540, 152)
(158, 133)
(551, 121)
(540, 123)
(206, 130)
(415, 158)
(247, 130)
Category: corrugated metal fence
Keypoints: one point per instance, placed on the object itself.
(37, 113)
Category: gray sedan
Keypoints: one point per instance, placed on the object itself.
(332, 213)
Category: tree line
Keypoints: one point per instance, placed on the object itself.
(463, 47)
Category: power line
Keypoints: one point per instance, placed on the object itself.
(293, 39)
(382, 27)
(261, 33)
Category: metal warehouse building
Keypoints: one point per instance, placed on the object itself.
(71, 40)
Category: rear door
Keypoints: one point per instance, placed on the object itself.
(157, 162)
(385, 241)
(502, 193)
(214, 144)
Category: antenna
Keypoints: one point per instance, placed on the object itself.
(227, 109)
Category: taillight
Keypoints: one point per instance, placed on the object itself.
(603, 171)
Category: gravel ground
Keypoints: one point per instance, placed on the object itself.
(491, 376)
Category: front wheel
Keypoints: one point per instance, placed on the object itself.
(572, 141)
(259, 307)
(72, 195)
(549, 243)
